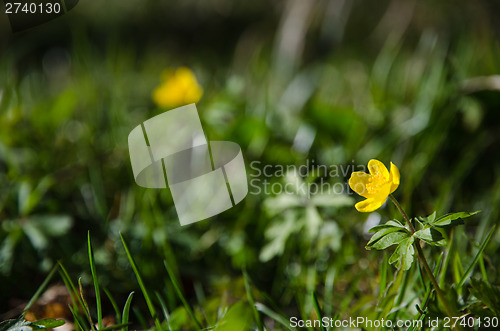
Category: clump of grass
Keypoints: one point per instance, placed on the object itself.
(80, 306)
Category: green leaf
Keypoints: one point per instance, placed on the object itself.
(48, 323)
(384, 231)
(389, 224)
(22, 325)
(449, 219)
(13, 324)
(390, 239)
(420, 224)
(429, 219)
(278, 234)
(403, 254)
(431, 236)
(388, 234)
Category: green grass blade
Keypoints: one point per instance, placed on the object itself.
(328, 293)
(427, 294)
(483, 268)
(65, 276)
(113, 303)
(140, 318)
(114, 327)
(75, 297)
(41, 288)
(96, 283)
(383, 276)
(181, 296)
(402, 289)
(421, 277)
(458, 269)
(318, 311)
(141, 285)
(449, 255)
(164, 309)
(476, 258)
(278, 318)
(77, 320)
(126, 311)
(439, 265)
(85, 306)
(251, 300)
(270, 301)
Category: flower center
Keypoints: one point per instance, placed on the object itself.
(375, 183)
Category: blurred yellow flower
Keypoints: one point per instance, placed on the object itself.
(376, 186)
(178, 88)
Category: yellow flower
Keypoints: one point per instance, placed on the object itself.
(376, 186)
(178, 88)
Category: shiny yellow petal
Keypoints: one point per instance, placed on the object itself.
(378, 169)
(185, 77)
(358, 182)
(395, 177)
(369, 205)
(383, 191)
(178, 88)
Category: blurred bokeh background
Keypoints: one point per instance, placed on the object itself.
(338, 82)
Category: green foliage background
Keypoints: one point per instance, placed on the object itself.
(410, 82)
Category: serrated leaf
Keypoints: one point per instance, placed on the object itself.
(431, 236)
(420, 225)
(487, 293)
(390, 239)
(429, 219)
(403, 254)
(381, 233)
(387, 225)
(278, 234)
(453, 218)
(276, 205)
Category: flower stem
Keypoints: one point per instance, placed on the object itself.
(423, 260)
(402, 211)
